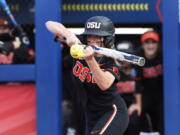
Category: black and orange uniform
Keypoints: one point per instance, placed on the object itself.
(73, 93)
(127, 87)
(152, 93)
(10, 55)
(106, 112)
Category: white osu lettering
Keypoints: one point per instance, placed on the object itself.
(94, 25)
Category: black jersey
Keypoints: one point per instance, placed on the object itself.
(151, 74)
(9, 55)
(129, 85)
(97, 99)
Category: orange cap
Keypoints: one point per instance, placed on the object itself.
(150, 35)
(3, 22)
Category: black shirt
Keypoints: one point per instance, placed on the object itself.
(97, 99)
(152, 74)
(129, 85)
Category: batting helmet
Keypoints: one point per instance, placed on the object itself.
(125, 46)
(101, 26)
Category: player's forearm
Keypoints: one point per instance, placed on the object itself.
(62, 32)
(103, 79)
(53, 27)
(138, 99)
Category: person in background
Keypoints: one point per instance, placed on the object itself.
(12, 49)
(152, 79)
(129, 87)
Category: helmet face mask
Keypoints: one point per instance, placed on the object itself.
(101, 26)
(94, 40)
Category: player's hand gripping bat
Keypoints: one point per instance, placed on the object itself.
(62, 33)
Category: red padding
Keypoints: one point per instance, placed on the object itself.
(17, 109)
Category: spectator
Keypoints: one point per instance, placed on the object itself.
(129, 87)
(152, 79)
(12, 49)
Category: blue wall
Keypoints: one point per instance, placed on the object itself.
(171, 67)
(48, 67)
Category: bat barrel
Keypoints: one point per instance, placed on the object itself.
(141, 61)
(120, 55)
(5, 7)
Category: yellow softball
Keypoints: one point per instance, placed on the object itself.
(77, 51)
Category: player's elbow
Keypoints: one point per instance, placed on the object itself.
(106, 83)
(105, 87)
(52, 27)
(48, 24)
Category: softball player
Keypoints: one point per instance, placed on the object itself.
(106, 113)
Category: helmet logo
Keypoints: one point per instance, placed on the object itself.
(93, 25)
